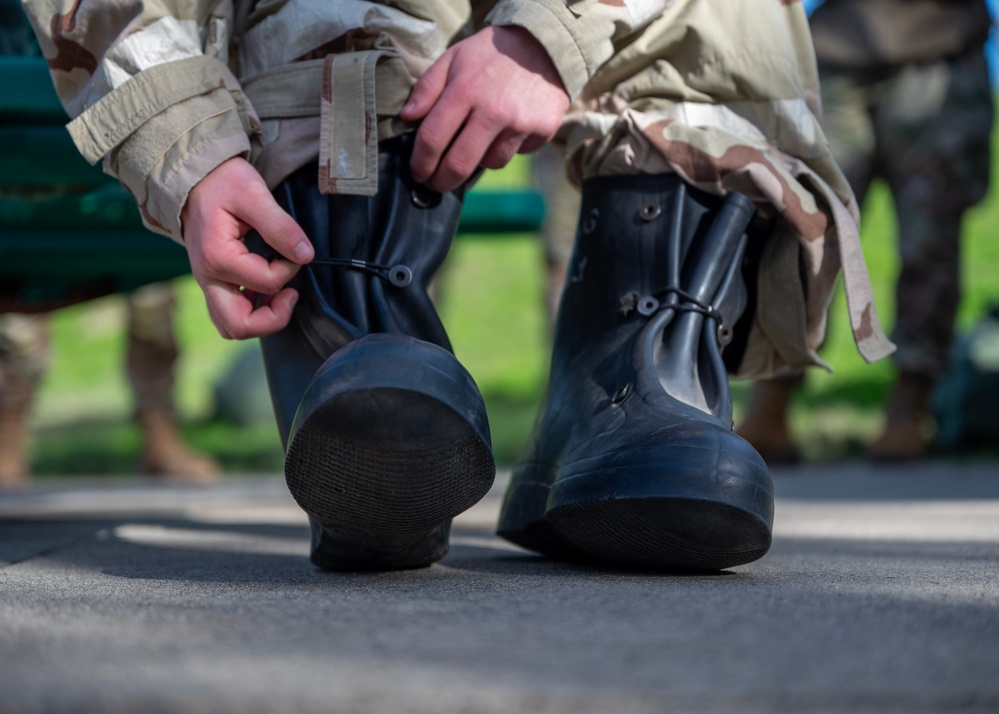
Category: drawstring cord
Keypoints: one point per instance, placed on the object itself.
(649, 305)
(398, 275)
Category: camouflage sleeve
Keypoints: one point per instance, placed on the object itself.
(150, 92)
(580, 36)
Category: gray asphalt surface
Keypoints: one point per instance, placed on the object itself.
(881, 594)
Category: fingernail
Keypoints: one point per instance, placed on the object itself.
(409, 107)
(302, 252)
(292, 300)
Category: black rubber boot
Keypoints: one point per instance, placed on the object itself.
(385, 432)
(632, 461)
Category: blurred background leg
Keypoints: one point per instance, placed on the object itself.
(151, 358)
(24, 355)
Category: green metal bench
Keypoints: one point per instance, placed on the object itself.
(69, 233)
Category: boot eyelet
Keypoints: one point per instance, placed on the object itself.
(648, 306)
(423, 197)
(590, 224)
(621, 394)
(400, 275)
(725, 335)
(650, 212)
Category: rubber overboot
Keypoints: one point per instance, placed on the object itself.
(385, 432)
(14, 470)
(906, 436)
(165, 454)
(632, 460)
(764, 424)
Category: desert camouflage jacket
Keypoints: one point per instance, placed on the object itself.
(724, 93)
(162, 88)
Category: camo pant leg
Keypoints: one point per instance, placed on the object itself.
(925, 130)
(934, 125)
(152, 347)
(24, 358)
(935, 177)
(850, 128)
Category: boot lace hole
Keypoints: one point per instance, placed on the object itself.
(621, 394)
(725, 335)
(647, 306)
(423, 197)
(650, 212)
(400, 276)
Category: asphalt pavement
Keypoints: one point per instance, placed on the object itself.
(881, 594)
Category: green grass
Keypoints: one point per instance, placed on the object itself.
(491, 301)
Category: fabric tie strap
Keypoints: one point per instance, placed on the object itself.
(349, 91)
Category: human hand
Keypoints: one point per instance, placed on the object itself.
(245, 293)
(485, 99)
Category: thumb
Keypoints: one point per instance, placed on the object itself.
(278, 229)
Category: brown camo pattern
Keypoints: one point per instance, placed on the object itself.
(71, 54)
(702, 168)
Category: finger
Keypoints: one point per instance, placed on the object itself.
(236, 317)
(438, 131)
(503, 148)
(427, 90)
(276, 226)
(465, 154)
(232, 262)
(433, 139)
(533, 143)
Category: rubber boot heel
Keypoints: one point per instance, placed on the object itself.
(390, 442)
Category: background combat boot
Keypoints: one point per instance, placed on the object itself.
(385, 432)
(632, 460)
(764, 424)
(906, 436)
(13, 446)
(164, 452)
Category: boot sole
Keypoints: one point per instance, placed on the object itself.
(684, 517)
(640, 533)
(663, 534)
(389, 444)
